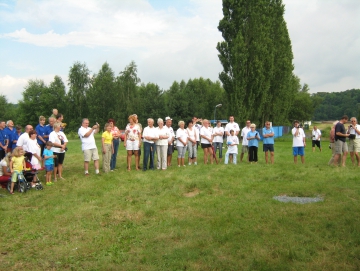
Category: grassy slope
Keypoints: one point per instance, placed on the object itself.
(195, 218)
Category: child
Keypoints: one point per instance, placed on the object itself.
(17, 165)
(107, 147)
(232, 142)
(49, 162)
(253, 138)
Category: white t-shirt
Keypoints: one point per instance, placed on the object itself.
(217, 130)
(33, 147)
(352, 131)
(56, 137)
(22, 141)
(192, 134)
(181, 133)
(2, 164)
(197, 129)
(172, 134)
(298, 141)
(152, 132)
(316, 134)
(162, 132)
(244, 133)
(232, 126)
(232, 140)
(87, 143)
(205, 132)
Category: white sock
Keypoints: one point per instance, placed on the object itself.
(96, 171)
(86, 172)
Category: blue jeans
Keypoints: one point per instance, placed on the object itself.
(116, 143)
(149, 151)
(218, 145)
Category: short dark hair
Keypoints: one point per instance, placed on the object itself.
(345, 117)
(32, 132)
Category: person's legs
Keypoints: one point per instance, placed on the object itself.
(234, 158)
(266, 157)
(205, 155)
(272, 157)
(86, 166)
(226, 158)
(116, 143)
(147, 146)
(152, 155)
(255, 154)
(211, 155)
(128, 159)
(137, 159)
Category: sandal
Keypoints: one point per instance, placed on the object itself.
(12, 193)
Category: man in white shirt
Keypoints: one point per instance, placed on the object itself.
(354, 140)
(316, 134)
(298, 142)
(88, 145)
(232, 125)
(245, 142)
(150, 135)
(23, 139)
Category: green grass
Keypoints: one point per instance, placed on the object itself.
(205, 217)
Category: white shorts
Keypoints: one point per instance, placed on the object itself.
(132, 145)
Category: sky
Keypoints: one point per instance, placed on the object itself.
(169, 40)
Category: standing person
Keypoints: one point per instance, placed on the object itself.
(88, 145)
(107, 147)
(59, 141)
(150, 136)
(316, 135)
(245, 143)
(141, 131)
(340, 141)
(253, 139)
(232, 142)
(34, 148)
(116, 142)
(332, 143)
(132, 142)
(299, 142)
(49, 162)
(171, 139)
(17, 165)
(197, 127)
(191, 143)
(162, 144)
(23, 139)
(181, 143)
(218, 138)
(41, 131)
(49, 128)
(232, 125)
(16, 136)
(206, 141)
(268, 142)
(4, 140)
(54, 113)
(354, 141)
(11, 133)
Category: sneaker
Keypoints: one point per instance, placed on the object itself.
(49, 183)
(195, 163)
(189, 164)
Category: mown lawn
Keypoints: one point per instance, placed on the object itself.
(205, 217)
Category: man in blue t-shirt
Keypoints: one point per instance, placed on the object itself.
(4, 140)
(268, 142)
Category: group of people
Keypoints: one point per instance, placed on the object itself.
(44, 147)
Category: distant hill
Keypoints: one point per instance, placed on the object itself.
(333, 105)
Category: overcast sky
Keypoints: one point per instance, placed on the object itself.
(169, 40)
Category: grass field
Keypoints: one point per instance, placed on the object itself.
(205, 217)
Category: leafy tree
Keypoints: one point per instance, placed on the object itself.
(79, 83)
(302, 109)
(257, 60)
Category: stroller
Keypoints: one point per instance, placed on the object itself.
(26, 177)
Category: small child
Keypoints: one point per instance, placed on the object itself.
(232, 142)
(107, 147)
(49, 162)
(17, 165)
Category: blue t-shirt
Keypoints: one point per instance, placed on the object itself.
(49, 129)
(268, 140)
(49, 161)
(253, 142)
(3, 136)
(41, 131)
(15, 137)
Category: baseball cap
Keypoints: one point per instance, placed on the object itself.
(168, 118)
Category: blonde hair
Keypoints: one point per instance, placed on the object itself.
(57, 125)
(106, 125)
(42, 118)
(181, 122)
(17, 152)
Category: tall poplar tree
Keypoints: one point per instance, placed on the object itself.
(256, 56)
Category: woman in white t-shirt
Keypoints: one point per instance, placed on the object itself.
(206, 141)
(162, 144)
(181, 143)
(218, 140)
(5, 174)
(191, 136)
(59, 140)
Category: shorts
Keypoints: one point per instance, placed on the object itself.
(340, 147)
(132, 145)
(354, 145)
(298, 151)
(59, 160)
(49, 168)
(91, 154)
(170, 149)
(244, 148)
(316, 142)
(205, 146)
(268, 147)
